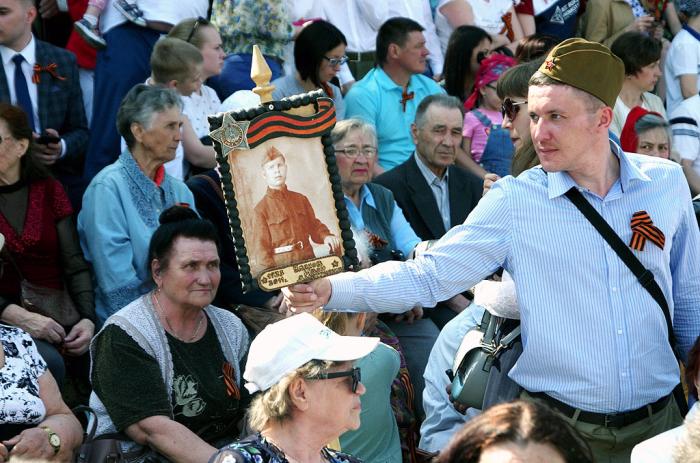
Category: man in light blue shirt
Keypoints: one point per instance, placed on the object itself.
(387, 97)
(594, 340)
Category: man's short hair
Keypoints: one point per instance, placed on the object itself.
(593, 103)
(394, 30)
(444, 101)
(174, 59)
(636, 50)
(272, 154)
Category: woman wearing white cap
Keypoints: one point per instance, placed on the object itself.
(309, 393)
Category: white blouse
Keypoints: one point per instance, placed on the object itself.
(19, 379)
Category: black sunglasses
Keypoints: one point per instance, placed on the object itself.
(354, 373)
(510, 108)
(197, 22)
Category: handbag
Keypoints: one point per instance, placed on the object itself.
(49, 302)
(102, 449)
(479, 351)
(644, 276)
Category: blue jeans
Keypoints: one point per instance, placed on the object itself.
(236, 74)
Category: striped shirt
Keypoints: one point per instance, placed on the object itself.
(593, 337)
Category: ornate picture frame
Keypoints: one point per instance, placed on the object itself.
(283, 192)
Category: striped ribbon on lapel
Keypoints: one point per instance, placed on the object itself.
(643, 229)
(230, 381)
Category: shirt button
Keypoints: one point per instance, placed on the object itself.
(614, 289)
(619, 331)
(624, 374)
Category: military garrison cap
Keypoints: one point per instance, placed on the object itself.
(588, 66)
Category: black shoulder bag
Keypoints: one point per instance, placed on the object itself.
(644, 276)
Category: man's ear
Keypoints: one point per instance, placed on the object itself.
(605, 117)
(393, 51)
(414, 133)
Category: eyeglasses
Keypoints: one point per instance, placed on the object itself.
(510, 108)
(353, 153)
(337, 61)
(354, 373)
(197, 22)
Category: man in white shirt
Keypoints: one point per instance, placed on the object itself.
(683, 59)
(685, 120)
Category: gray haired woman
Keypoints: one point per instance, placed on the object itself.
(122, 203)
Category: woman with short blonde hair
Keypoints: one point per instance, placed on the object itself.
(308, 393)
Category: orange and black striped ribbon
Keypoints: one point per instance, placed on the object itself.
(230, 381)
(406, 96)
(51, 69)
(643, 229)
(508, 26)
(327, 89)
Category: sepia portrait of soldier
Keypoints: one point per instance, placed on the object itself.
(285, 225)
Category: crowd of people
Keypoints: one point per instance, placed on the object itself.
(527, 161)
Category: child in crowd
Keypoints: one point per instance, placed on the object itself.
(88, 28)
(484, 138)
(176, 64)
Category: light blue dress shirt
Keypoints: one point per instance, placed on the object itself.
(402, 237)
(377, 99)
(593, 337)
(440, 188)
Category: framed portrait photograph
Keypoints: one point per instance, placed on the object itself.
(282, 190)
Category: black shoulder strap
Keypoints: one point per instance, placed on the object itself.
(644, 276)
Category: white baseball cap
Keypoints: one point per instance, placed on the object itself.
(282, 347)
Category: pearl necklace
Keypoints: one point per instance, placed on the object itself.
(170, 328)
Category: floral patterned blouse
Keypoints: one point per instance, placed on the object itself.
(243, 23)
(19, 378)
(256, 449)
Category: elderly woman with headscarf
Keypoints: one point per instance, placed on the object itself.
(122, 203)
(308, 393)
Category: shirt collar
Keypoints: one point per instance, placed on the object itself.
(29, 53)
(430, 177)
(365, 197)
(385, 81)
(559, 183)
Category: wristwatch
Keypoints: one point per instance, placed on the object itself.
(54, 439)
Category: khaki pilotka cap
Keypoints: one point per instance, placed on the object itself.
(588, 66)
